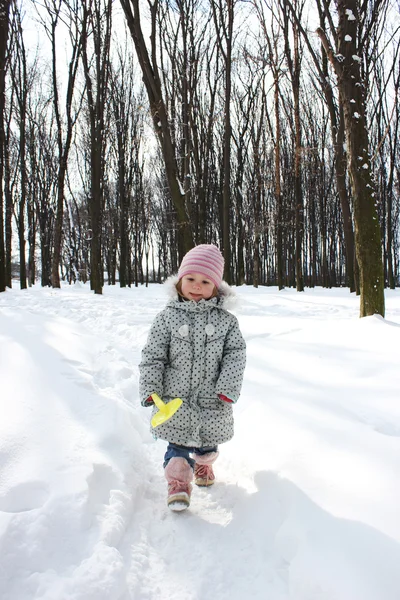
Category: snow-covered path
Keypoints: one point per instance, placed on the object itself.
(306, 504)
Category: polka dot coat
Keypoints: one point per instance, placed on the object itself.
(195, 351)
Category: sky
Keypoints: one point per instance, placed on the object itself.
(305, 504)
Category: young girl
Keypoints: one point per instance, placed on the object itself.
(195, 351)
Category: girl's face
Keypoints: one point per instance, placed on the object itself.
(195, 287)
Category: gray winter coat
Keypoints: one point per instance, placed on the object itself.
(195, 351)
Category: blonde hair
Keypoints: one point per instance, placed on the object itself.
(179, 290)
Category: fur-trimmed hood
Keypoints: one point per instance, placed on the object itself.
(226, 298)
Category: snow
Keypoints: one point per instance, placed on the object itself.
(306, 501)
(339, 57)
(181, 190)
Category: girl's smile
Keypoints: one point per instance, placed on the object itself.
(197, 287)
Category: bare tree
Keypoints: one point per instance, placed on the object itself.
(246, 100)
(384, 85)
(96, 66)
(59, 15)
(271, 56)
(346, 61)
(189, 66)
(224, 13)
(127, 159)
(294, 58)
(19, 76)
(9, 208)
(42, 138)
(337, 132)
(161, 122)
(4, 26)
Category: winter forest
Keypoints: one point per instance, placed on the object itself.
(130, 131)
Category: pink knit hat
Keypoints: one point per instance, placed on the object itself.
(205, 259)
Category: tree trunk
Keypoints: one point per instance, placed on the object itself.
(340, 169)
(346, 62)
(294, 64)
(20, 80)
(32, 242)
(4, 25)
(278, 189)
(96, 213)
(58, 227)
(8, 214)
(390, 197)
(226, 192)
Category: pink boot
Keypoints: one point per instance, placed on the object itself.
(203, 471)
(179, 475)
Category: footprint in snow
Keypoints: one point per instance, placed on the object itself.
(24, 497)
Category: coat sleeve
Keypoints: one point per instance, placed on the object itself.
(154, 358)
(233, 363)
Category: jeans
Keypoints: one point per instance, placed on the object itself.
(174, 451)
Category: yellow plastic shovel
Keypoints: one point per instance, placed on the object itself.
(165, 411)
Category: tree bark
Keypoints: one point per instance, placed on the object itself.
(346, 63)
(4, 25)
(18, 69)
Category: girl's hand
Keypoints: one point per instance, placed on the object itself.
(225, 398)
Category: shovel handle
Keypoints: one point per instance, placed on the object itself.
(157, 401)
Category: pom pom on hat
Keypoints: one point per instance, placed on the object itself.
(205, 259)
